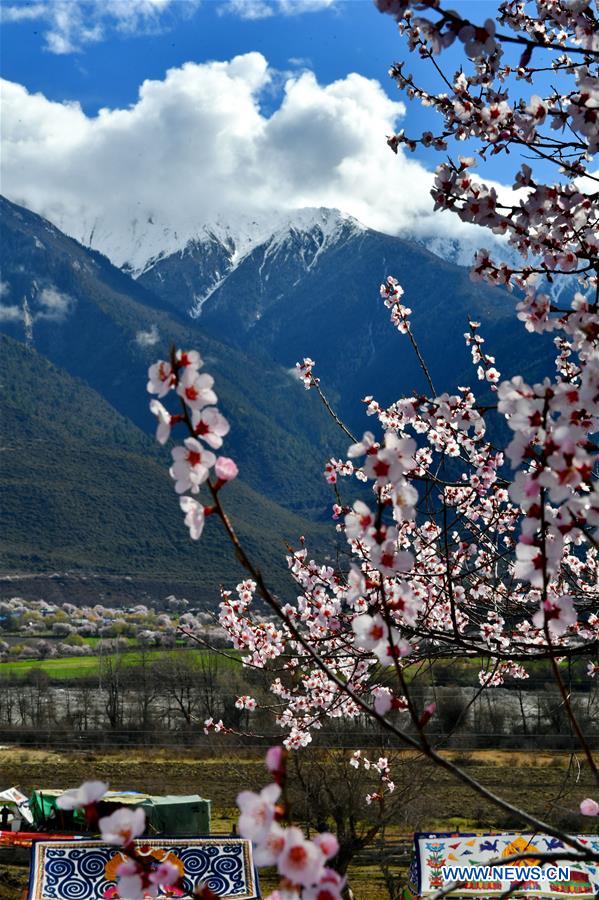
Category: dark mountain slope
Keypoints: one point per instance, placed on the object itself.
(100, 325)
(334, 315)
(301, 295)
(83, 489)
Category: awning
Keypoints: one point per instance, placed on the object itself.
(15, 796)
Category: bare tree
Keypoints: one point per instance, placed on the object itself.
(112, 687)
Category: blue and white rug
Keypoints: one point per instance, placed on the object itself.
(85, 870)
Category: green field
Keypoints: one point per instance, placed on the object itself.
(455, 672)
(69, 668)
(73, 667)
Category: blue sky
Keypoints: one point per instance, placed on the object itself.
(345, 36)
(116, 112)
(350, 36)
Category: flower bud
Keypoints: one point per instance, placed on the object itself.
(226, 469)
(589, 807)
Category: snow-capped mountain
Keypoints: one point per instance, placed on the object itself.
(192, 260)
(261, 297)
(306, 284)
(291, 244)
(310, 288)
(140, 244)
(189, 262)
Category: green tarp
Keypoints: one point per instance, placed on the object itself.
(178, 815)
(171, 816)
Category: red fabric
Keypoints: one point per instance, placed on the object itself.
(25, 838)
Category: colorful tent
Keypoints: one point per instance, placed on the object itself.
(436, 855)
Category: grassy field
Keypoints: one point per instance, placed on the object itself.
(551, 786)
(457, 672)
(73, 667)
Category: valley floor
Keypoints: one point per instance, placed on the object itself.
(550, 782)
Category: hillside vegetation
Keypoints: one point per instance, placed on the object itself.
(84, 488)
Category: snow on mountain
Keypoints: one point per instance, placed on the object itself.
(306, 233)
(137, 245)
(456, 250)
(141, 243)
(461, 251)
(188, 264)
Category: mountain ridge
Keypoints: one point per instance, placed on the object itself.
(293, 297)
(136, 327)
(309, 291)
(140, 243)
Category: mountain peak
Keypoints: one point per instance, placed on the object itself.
(300, 235)
(136, 245)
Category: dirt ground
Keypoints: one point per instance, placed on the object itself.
(551, 783)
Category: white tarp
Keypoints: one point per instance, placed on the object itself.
(14, 795)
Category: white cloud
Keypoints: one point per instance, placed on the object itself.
(148, 338)
(196, 147)
(55, 306)
(262, 9)
(49, 304)
(10, 313)
(22, 13)
(70, 24)
(300, 62)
